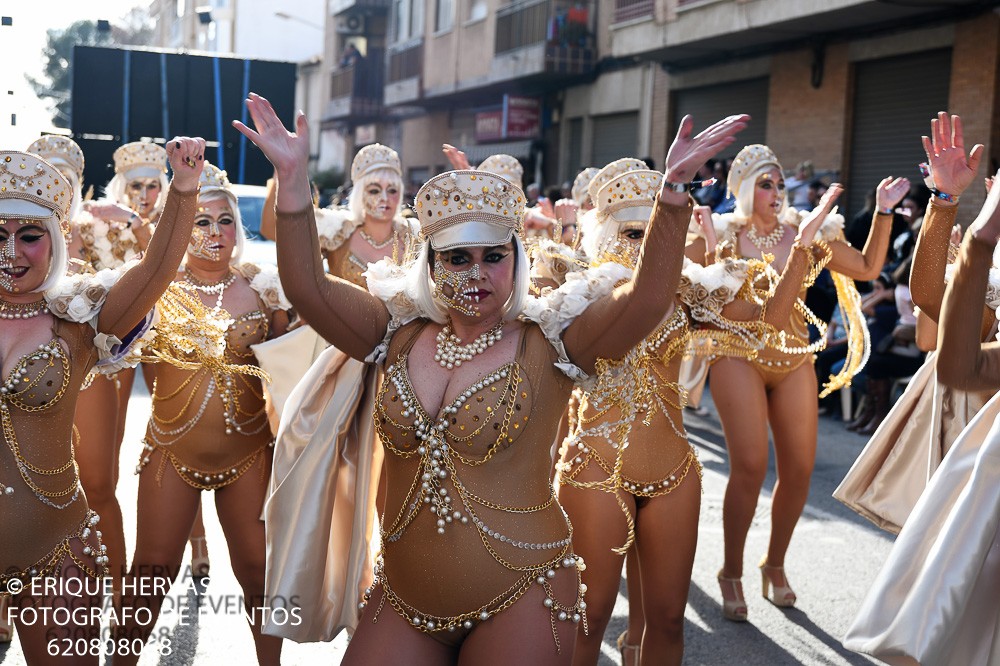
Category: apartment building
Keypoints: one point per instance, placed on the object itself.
(849, 85)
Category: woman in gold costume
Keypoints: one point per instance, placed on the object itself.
(630, 451)
(209, 429)
(777, 387)
(895, 466)
(108, 234)
(55, 329)
(476, 560)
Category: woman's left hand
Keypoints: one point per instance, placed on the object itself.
(812, 223)
(287, 151)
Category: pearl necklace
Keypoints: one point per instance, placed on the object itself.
(768, 241)
(377, 246)
(10, 310)
(451, 352)
(218, 288)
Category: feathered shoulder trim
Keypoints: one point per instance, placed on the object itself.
(557, 309)
(335, 226)
(265, 281)
(554, 261)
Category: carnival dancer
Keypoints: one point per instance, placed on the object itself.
(476, 559)
(55, 329)
(777, 387)
(208, 429)
(893, 469)
(327, 429)
(108, 234)
(934, 601)
(630, 451)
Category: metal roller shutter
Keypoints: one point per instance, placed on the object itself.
(894, 101)
(711, 103)
(615, 136)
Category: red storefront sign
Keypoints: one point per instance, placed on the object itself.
(518, 118)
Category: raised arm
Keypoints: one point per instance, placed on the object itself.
(866, 264)
(963, 361)
(136, 293)
(952, 172)
(611, 326)
(344, 314)
(267, 217)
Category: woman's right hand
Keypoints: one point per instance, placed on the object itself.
(812, 223)
(187, 158)
(951, 170)
(687, 154)
(287, 151)
(703, 217)
(890, 192)
(456, 157)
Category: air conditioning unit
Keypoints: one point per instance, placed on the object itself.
(353, 24)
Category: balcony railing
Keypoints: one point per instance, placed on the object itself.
(358, 86)
(565, 28)
(627, 10)
(406, 63)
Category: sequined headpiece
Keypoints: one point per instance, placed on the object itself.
(214, 179)
(140, 160)
(628, 197)
(504, 166)
(469, 208)
(748, 161)
(616, 168)
(373, 157)
(33, 189)
(581, 183)
(59, 150)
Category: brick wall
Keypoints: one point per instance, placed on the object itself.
(806, 123)
(974, 96)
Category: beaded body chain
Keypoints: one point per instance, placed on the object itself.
(638, 387)
(443, 450)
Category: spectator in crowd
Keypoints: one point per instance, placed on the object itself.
(798, 185)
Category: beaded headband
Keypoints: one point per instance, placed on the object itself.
(56, 149)
(504, 166)
(374, 157)
(616, 168)
(33, 189)
(581, 183)
(629, 197)
(489, 208)
(750, 160)
(140, 160)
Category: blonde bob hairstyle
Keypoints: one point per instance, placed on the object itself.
(116, 190)
(241, 234)
(356, 200)
(59, 259)
(421, 284)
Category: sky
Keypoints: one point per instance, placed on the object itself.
(26, 38)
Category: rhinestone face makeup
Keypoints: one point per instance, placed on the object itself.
(460, 298)
(201, 242)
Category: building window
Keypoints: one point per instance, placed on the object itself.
(478, 10)
(408, 19)
(13, 119)
(444, 15)
(7, 20)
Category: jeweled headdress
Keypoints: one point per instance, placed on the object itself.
(750, 160)
(374, 157)
(504, 166)
(469, 208)
(616, 168)
(214, 179)
(33, 189)
(581, 183)
(59, 150)
(140, 160)
(629, 197)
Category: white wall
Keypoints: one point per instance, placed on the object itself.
(260, 34)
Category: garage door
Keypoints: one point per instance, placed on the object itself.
(711, 103)
(616, 135)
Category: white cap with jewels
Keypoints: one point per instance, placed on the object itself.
(469, 208)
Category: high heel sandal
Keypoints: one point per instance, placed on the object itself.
(732, 609)
(200, 564)
(780, 595)
(624, 645)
